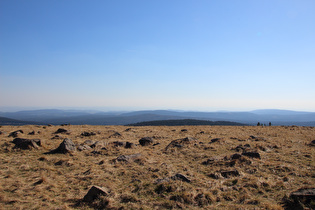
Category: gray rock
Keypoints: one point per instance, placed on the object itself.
(66, 146)
(95, 192)
(128, 158)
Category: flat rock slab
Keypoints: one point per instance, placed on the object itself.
(95, 192)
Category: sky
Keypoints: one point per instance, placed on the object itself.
(201, 55)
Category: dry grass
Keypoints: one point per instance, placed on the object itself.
(31, 179)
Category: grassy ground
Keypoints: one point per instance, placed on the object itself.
(31, 179)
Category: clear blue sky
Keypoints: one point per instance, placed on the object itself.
(164, 54)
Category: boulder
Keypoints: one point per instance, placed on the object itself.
(312, 143)
(94, 192)
(146, 141)
(66, 146)
(26, 143)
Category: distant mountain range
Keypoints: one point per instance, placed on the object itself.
(77, 117)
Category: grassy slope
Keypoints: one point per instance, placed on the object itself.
(32, 180)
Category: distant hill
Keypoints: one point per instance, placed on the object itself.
(9, 121)
(185, 122)
(90, 117)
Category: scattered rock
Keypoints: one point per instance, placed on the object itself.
(85, 133)
(184, 130)
(15, 134)
(215, 175)
(127, 158)
(252, 154)
(236, 156)
(312, 143)
(180, 177)
(66, 146)
(255, 138)
(209, 161)
(63, 163)
(31, 133)
(56, 137)
(84, 147)
(61, 130)
(179, 143)
(26, 143)
(232, 173)
(129, 145)
(119, 144)
(175, 177)
(241, 148)
(215, 140)
(95, 192)
(146, 141)
(89, 142)
(115, 135)
(99, 145)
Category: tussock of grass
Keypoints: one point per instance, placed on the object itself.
(219, 176)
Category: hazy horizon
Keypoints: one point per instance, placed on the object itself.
(147, 55)
(133, 109)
